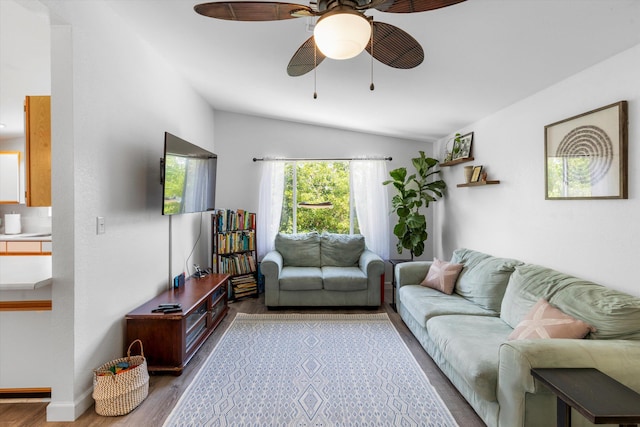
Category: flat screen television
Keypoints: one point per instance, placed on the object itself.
(188, 177)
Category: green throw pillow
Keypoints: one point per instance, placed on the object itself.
(527, 285)
(614, 314)
(484, 278)
(341, 250)
(299, 250)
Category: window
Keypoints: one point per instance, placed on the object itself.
(345, 184)
(317, 197)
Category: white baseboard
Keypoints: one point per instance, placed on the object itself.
(69, 411)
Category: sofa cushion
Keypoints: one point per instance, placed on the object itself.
(471, 344)
(546, 321)
(527, 285)
(344, 279)
(442, 276)
(300, 279)
(614, 314)
(424, 303)
(484, 278)
(299, 250)
(340, 250)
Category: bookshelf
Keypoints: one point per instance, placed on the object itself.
(234, 251)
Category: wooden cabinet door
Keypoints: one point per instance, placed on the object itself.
(38, 136)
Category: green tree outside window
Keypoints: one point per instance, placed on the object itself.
(317, 182)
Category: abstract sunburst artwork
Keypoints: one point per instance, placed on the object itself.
(586, 155)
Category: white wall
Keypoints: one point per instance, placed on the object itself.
(240, 138)
(16, 144)
(112, 100)
(596, 240)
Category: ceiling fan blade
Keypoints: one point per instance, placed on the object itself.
(253, 10)
(409, 6)
(303, 60)
(395, 47)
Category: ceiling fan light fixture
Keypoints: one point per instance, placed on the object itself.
(343, 34)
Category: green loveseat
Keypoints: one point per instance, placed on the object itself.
(466, 333)
(311, 269)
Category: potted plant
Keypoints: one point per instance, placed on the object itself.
(414, 191)
(457, 146)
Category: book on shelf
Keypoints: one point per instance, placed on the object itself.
(250, 278)
(235, 241)
(239, 219)
(245, 286)
(239, 263)
(244, 293)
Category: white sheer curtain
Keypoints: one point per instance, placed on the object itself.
(269, 205)
(372, 203)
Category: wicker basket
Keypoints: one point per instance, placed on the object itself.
(119, 394)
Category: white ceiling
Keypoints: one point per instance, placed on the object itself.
(480, 56)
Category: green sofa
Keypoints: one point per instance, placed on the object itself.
(311, 269)
(466, 333)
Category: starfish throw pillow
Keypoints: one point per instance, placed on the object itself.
(546, 321)
(442, 276)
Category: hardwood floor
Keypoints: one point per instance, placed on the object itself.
(165, 390)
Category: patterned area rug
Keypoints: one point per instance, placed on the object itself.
(309, 370)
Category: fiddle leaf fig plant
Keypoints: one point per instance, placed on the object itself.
(414, 191)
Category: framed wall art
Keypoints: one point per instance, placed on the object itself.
(586, 155)
(462, 146)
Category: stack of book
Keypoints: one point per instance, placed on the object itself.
(244, 286)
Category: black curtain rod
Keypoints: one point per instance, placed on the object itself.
(256, 159)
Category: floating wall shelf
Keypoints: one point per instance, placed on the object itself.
(479, 183)
(456, 161)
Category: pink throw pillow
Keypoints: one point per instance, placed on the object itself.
(546, 321)
(442, 276)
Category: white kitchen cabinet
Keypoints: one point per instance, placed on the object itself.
(9, 177)
(25, 362)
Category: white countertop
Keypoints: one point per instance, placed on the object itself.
(41, 237)
(25, 286)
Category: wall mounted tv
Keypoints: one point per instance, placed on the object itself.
(188, 177)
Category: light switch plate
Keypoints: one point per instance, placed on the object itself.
(100, 226)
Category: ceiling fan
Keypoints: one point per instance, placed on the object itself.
(342, 30)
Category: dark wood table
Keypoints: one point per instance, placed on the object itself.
(393, 263)
(597, 396)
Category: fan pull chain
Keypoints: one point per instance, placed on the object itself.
(315, 70)
(372, 86)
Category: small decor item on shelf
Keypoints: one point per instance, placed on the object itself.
(468, 172)
(121, 385)
(477, 171)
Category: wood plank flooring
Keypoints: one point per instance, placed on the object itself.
(165, 390)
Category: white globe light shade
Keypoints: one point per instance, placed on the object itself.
(342, 35)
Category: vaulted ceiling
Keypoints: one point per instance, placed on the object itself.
(480, 56)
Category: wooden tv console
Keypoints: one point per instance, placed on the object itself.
(170, 340)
